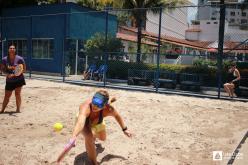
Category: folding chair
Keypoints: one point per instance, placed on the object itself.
(100, 73)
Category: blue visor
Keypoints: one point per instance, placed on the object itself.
(99, 100)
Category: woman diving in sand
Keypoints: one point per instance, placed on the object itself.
(90, 122)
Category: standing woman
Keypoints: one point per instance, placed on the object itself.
(13, 66)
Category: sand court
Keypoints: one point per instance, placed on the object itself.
(168, 129)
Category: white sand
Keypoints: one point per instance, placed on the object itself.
(168, 129)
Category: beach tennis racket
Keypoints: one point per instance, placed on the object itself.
(66, 149)
(18, 70)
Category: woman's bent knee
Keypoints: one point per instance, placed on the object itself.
(226, 84)
(88, 135)
(102, 138)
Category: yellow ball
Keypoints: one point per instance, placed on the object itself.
(58, 127)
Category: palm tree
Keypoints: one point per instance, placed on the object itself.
(89, 3)
(100, 4)
(139, 15)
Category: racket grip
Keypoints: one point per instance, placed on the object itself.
(71, 143)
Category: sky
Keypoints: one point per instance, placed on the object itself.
(192, 11)
(194, 1)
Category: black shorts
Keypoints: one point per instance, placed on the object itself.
(236, 84)
(10, 86)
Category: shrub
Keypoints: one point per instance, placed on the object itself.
(119, 70)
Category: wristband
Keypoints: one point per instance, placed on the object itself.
(124, 129)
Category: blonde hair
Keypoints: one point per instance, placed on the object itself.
(106, 94)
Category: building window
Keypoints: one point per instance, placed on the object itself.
(243, 21)
(21, 46)
(194, 22)
(244, 14)
(232, 20)
(232, 13)
(43, 48)
(215, 22)
(208, 23)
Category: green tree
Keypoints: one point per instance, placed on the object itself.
(100, 4)
(95, 46)
(50, 1)
(139, 15)
(89, 3)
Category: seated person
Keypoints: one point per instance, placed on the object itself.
(99, 74)
(89, 71)
(233, 80)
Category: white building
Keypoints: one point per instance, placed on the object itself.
(236, 17)
(204, 30)
(235, 14)
(174, 22)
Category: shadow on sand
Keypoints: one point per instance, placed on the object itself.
(82, 159)
(10, 113)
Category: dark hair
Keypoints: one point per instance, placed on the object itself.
(12, 45)
(233, 64)
(8, 60)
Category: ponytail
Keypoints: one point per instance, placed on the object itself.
(113, 99)
(106, 94)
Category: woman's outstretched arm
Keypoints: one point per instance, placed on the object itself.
(118, 118)
(77, 129)
(80, 120)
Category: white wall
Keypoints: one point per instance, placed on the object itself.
(235, 34)
(174, 23)
(125, 44)
(209, 31)
(194, 36)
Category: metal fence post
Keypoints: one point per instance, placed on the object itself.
(158, 51)
(63, 49)
(105, 47)
(31, 46)
(221, 43)
(1, 36)
(2, 41)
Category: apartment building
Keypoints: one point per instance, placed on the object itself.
(236, 15)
